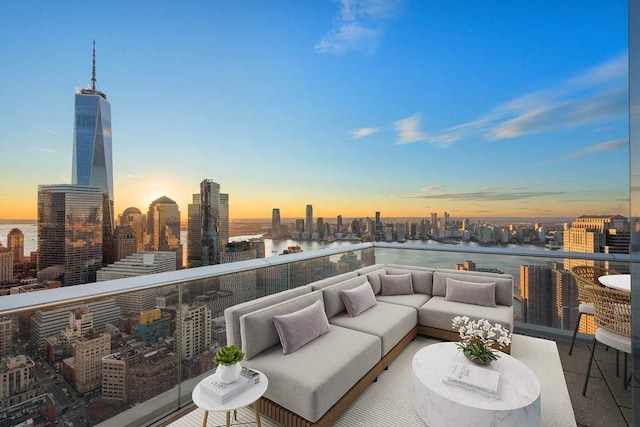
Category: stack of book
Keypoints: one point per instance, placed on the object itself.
(223, 392)
(474, 377)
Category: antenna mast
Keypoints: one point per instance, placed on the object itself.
(93, 78)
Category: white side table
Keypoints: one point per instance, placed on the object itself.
(246, 398)
(441, 404)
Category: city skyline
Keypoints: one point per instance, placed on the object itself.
(400, 107)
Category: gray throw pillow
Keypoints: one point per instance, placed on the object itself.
(300, 327)
(471, 292)
(358, 299)
(396, 284)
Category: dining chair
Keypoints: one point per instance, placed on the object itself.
(612, 315)
(585, 275)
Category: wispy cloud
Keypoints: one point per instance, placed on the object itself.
(485, 194)
(593, 149)
(156, 184)
(51, 131)
(358, 26)
(45, 150)
(597, 94)
(362, 132)
(408, 131)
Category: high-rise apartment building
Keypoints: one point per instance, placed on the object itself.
(92, 163)
(275, 224)
(224, 219)
(15, 243)
(194, 233)
(214, 216)
(6, 264)
(309, 220)
(596, 234)
(319, 228)
(136, 220)
(70, 233)
(163, 226)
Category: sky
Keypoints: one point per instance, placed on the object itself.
(479, 109)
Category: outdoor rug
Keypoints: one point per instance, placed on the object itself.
(389, 401)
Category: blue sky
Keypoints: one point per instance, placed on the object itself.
(404, 107)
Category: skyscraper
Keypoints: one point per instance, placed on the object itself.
(92, 161)
(309, 221)
(275, 223)
(214, 217)
(163, 226)
(136, 220)
(194, 233)
(70, 229)
(15, 243)
(597, 234)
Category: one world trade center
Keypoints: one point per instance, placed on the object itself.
(92, 159)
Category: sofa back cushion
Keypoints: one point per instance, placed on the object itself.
(396, 284)
(232, 314)
(333, 303)
(319, 284)
(504, 283)
(302, 326)
(373, 277)
(421, 277)
(258, 330)
(368, 269)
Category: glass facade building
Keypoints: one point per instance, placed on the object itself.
(214, 217)
(92, 159)
(69, 233)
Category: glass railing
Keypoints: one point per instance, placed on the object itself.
(129, 351)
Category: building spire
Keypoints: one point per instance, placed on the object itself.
(93, 76)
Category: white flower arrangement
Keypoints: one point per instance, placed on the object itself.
(478, 338)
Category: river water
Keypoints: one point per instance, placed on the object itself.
(507, 263)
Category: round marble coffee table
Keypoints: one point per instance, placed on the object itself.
(442, 404)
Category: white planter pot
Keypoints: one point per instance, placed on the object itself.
(228, 374)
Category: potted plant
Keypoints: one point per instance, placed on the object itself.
(478, 337)
(228, 359)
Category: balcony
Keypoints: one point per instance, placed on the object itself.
(547, 309)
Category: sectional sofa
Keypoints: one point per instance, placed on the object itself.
(322, 344)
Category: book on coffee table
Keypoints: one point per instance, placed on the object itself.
(474, 377)
(223, 392)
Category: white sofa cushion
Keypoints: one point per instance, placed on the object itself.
(415, 301)
(438, 313)
(311, 380)
(390, 322)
